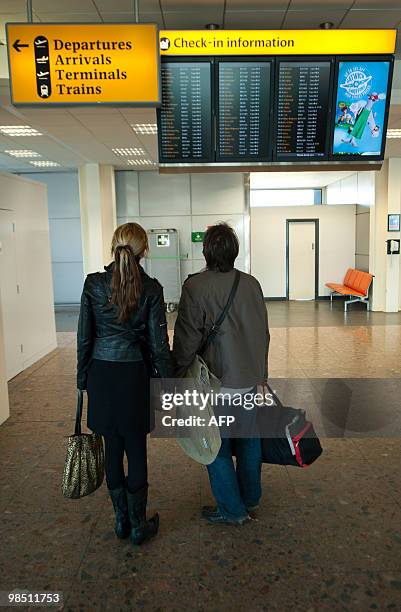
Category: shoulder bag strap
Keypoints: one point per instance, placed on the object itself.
(216, 326)
(274, 396)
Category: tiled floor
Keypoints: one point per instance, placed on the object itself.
(281, 314)
(327, 538)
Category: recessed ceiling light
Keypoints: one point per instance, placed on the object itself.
(396, 133)
(45, 164)
(19, 130)
(144, 128)
(133, 151)
(22, 153)
(141, 162)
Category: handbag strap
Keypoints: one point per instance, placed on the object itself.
(216, 326)
(78, 418)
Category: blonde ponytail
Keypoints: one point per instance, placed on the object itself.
(129, 244)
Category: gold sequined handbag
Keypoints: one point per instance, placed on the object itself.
(84, 463)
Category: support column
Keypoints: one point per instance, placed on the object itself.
(386, 295)
(393, 297)
(4, 405)
(98, 214)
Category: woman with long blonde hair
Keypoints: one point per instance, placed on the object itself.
(122, 325)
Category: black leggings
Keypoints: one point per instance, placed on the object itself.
(134, 446)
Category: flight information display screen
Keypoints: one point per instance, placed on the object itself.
(302, 108)
(185, 118)
(281, 110)
(243, 116)
(361, 109)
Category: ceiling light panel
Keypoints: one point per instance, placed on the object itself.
(144, 128)
(45, 164)
(128, 151)
(140, 162)
(396, 133)
(19, 130)
(22, 153)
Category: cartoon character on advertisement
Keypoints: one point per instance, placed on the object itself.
(364, 118)
(345, 117)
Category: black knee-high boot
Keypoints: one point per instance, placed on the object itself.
(119, 499)
(141, 529)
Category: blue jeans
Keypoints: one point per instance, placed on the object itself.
(235, 490)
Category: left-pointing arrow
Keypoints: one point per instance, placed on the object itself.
(18, 45)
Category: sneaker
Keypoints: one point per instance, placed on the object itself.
(214, 516)
(252, 511)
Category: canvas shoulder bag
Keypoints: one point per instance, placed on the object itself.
(203, 443)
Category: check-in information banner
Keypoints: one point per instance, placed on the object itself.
(276, 42)
(84, 63)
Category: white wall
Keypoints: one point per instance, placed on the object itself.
(355, 189)
(358, 189)
(4, 405)
(386, 291)
(36, 325)
(187, 202)
(65, 234)
(362, 232)
(344, 191)
(268, 244)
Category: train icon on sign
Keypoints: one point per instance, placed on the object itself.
(44, 91)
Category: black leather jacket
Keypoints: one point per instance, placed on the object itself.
(101, 336)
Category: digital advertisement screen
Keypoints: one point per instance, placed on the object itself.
(302, 107)
(360, 108)
(185, 118)
(243, 116)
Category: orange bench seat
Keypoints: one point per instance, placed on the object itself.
(356, 284)
(344, 289)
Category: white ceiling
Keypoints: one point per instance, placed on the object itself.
(75, 136)
(226, 13)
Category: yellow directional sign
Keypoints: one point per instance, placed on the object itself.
(83, 63)
(277, 42)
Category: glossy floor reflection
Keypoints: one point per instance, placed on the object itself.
(326, 538)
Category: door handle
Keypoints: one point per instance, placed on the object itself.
(313, 246)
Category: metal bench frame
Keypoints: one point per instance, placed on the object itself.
(355, 298)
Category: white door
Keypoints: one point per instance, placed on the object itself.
(301, 263)
(9, 294)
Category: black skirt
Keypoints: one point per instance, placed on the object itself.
(118, 398)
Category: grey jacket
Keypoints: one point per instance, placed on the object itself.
(238, 355)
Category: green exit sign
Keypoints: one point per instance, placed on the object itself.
(198, 236)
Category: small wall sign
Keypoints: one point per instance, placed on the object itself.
(197, 236)
(393, 223)
(163, 240)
